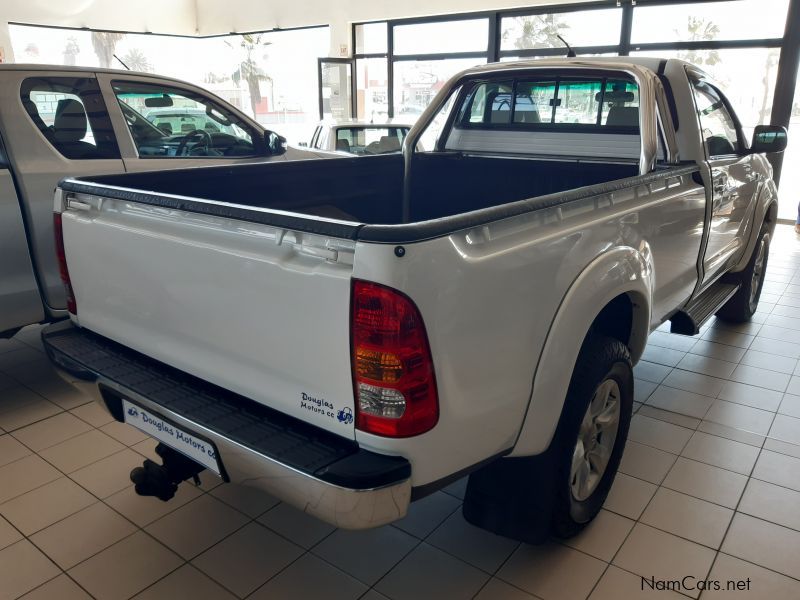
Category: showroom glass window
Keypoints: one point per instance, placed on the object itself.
(168, 122)
(599, 27)
(72, 116)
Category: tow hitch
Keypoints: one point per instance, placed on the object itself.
(162, 481)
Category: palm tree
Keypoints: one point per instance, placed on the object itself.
(104, 43)
(700, 30)
(136, 60)
(537, 31)
(249, 71)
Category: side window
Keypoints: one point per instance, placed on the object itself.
(533, 102)
(717, 126)
(489, 103)
(168, 122)
(71, 114)
(577, 102)
(619, 104)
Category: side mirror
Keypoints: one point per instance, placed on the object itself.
(276, 144)
(769, 138)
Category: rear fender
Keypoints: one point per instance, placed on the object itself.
(623, 270)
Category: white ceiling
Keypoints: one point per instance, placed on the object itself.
(207, 17)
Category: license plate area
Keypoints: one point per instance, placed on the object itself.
(190, 444)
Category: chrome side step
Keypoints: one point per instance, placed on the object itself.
(689, 320)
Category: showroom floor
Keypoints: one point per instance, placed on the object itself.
(709, 488)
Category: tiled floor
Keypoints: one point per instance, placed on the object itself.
(709, 487)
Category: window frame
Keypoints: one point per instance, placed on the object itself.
(696, 77)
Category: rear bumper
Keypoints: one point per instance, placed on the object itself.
(320, 473)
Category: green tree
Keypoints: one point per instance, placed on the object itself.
(699, 30)
(536, 31)
(249, 71)
(136, 60)
(71, 50)
(104, 44)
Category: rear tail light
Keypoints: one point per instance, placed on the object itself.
(395, 387)
(62, 264)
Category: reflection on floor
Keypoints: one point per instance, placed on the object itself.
(709, 488)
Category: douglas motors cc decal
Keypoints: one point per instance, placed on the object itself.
(326, 409)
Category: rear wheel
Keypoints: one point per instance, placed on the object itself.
(744, 302)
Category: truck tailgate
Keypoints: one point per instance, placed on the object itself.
(259, 310)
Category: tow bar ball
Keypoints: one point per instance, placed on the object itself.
(162, 481)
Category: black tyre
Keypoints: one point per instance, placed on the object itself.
(592, 433)
(744, 302)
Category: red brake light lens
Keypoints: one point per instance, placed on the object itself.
(72, 307)
(395, 386)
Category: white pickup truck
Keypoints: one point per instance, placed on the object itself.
(352, 335)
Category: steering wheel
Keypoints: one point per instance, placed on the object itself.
(204, 139)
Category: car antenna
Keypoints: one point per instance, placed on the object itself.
(128, 68)
(570, 51)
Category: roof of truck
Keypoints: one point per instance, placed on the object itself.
(652, 63)
(38, 67)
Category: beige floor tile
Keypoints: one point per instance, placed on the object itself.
(11, 449)
(616, 584)
(680, 401)
(179, 529)
(249, 500)
(652, 553)
(52, 431)
(707, 365)
(82, 535)
(36, 410)
(93, 414)
(9, 361)
(7, 383)
(646, 462)
(668, 340)
(782, 447)
(661, 435)
(720, 351)
(458, 488)
(427, 572)
(478, 547)
(668, 416)
(642, 389)
(295, 525)
(779, 469)
(786, 429)
(60, 588)
(24, 475)
(694, 382)
(662, 356)
(108, 475)
(725, 336)
(762, 584)
(764, 344)
(45, 505)
(245, 560)
(147, 448)
(750, 395)
(125, 568)
(790, 405)
(721, 452)
(427, 514)
(8, 535)
(706, 482)
(143, 510)
(552, 571)
(187, 582)
(629, 496)
(328, 582)
(603, 536)
(366, 555)
(763, 543)
(688, 517)
(124, 433)
(23, 568)
(59, 392)
(497, 589)
(739, 416)
(81, 450)
(650, 371)
(771, 362)
(731, 433)
(772, 503)
(772, 380)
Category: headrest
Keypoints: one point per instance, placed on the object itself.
(69, 124)
(623, 116)
(343, 145)
(389, 143)
(615, 96)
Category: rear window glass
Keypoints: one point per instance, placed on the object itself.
(599, 103)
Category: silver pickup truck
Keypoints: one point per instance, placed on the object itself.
(57, 121)
(352, 335)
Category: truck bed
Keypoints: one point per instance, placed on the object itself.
(368, 190)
